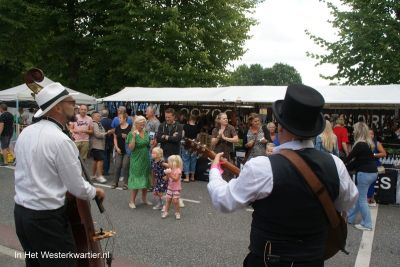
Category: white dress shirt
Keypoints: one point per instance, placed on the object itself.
(256, 182)
(47, 166)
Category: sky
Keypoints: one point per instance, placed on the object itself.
(280, 37)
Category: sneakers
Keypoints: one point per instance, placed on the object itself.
(360, 227)
(158, 206)
(125, 187)
(101, 179)
(164, 214)
(177, 216)
(372, 204)
(132, 205)
(181, 204)
(114, 186)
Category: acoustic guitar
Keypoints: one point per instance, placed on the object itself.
(203, 150)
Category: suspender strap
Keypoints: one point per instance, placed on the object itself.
(315, 184)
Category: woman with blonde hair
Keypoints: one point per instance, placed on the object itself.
(224, 136)
(361, 160)
(256, 138)
(327, 140)
(138, 141)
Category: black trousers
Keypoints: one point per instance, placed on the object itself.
(253, 260)
(41, 232)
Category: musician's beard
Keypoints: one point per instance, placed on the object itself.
(71, 118)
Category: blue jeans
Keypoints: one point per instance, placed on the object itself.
(364, 180)
(189, 161)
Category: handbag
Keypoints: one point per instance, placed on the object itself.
(337, 227)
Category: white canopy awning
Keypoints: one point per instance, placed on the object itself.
(368, 94)
(23, 93)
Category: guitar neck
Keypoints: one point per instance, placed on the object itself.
(203, 150)
(226, 165)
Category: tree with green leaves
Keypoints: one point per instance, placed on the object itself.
(368, 48)
(278, 74)
(101, 46)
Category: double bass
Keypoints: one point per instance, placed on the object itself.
(87, 239)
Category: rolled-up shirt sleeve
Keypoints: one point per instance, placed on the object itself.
(254, 182)
(348, 192)
(70, 171)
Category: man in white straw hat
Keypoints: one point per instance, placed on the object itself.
(47, 167)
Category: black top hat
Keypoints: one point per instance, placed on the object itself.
(300, 111)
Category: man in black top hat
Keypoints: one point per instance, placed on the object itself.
(288, 220)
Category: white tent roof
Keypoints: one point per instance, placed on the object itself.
(23, 93)
(371, 94)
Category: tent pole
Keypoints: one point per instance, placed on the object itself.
(17, 130)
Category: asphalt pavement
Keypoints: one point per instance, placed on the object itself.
(203, 237)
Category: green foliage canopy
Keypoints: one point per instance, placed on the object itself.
(101, 46)
(278, 74)
(368, 49)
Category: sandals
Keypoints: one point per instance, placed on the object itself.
(164, 214)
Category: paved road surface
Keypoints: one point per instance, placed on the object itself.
(203, 237)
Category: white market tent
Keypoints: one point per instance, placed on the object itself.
(334, 95)
(23, 93)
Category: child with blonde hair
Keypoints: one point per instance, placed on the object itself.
(270, 149)
(173, 174)
(160, 184)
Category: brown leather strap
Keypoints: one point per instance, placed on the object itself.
(317, 187)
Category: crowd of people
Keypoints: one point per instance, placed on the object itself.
(128, 140)
(125, 138)
(149, 157)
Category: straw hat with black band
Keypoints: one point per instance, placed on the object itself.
(50, 96)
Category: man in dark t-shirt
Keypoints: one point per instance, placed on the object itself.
(6, 131)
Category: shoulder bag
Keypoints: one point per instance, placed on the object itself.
(337, 227)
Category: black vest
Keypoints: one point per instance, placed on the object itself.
(291, 217)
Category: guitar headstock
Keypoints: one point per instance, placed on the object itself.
(198, 148)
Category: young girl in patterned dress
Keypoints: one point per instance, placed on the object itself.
(161, 184)
(173, 173)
